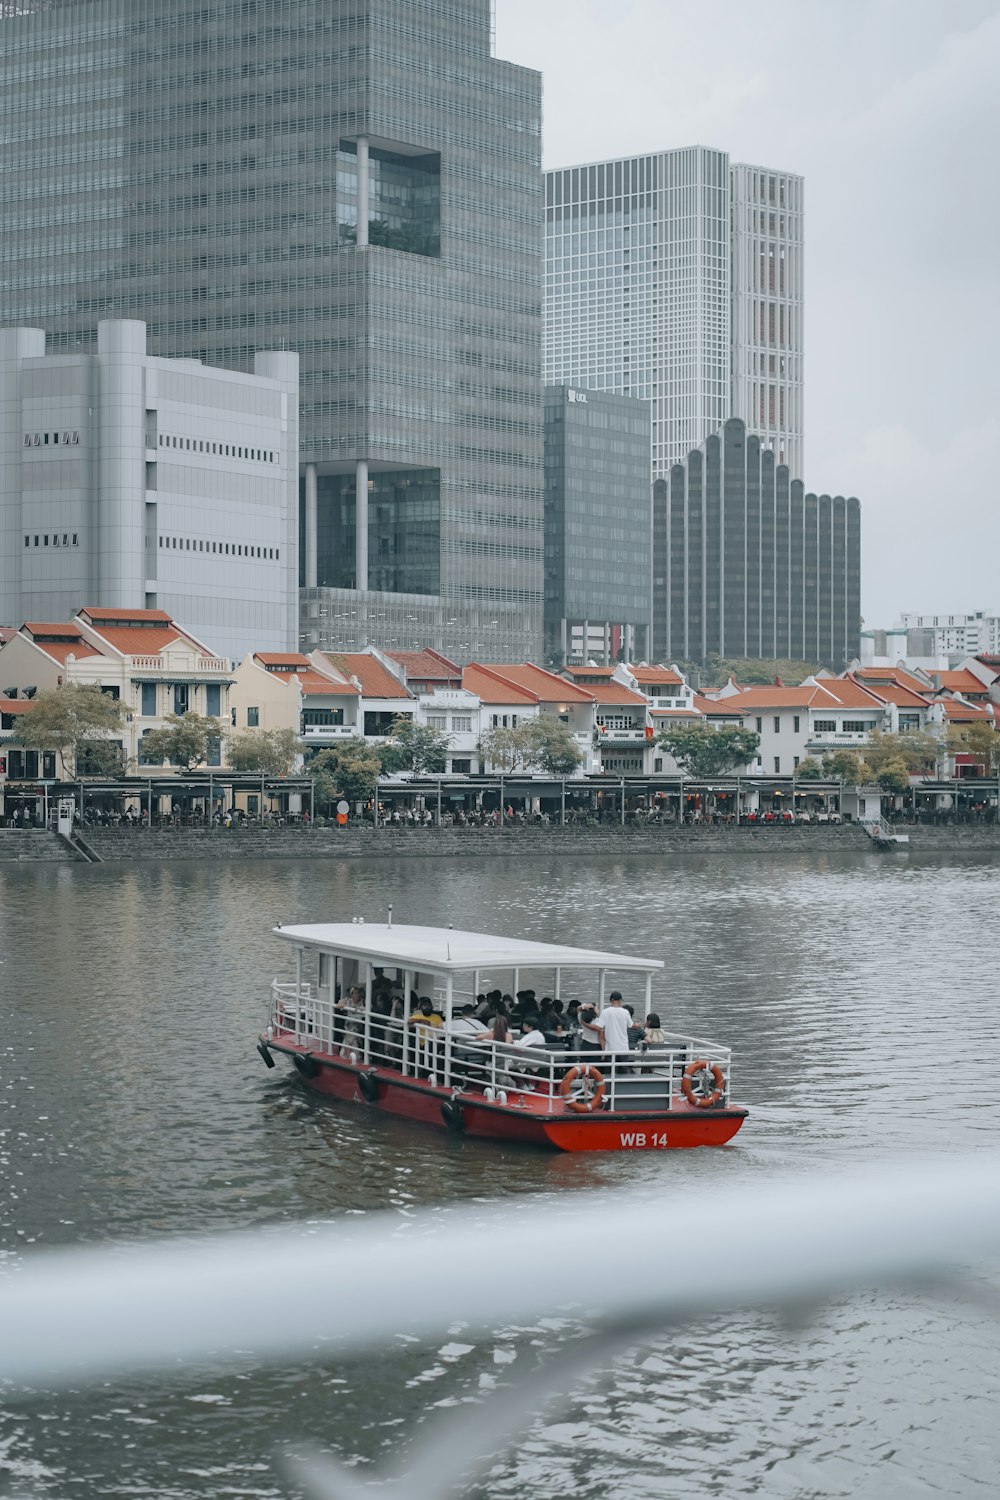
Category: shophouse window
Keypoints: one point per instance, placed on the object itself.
(825, 726)
(148, 706)
(213, 702)
(253, 718)
(181, 697)
(777, 724)
(777, 764)
(760, 725)
(795, 724)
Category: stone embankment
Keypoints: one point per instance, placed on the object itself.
(115, 844)
(29, 845)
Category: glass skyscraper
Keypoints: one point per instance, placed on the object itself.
(355, 180)
(678, 278)
(747, 564)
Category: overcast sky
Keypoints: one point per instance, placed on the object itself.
(891, 110)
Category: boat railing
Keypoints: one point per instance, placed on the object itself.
(560, 1074)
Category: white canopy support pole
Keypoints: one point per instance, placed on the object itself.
(333, 1000)
(298, 990)
(404, 1029)
(600, 993)
(558, 993)
(449, 995)
(368, 1010)
(475, 986)
(648, 997)
(517, 982)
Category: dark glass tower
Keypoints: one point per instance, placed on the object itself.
(746, 564)
(356, 180)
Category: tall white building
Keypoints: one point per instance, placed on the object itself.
(149, 483)
(677, 278)
(958, 635)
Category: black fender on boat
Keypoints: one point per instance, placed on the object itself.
(307, 1066)
(368, 1086)
(265, 1053)
(453, 1115)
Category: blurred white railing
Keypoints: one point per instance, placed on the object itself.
(92, 1314)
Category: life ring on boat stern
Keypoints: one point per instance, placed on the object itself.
(586, 1073)
(368, 1086)
(307, 1066)
(695, 1084)
(452, 1115)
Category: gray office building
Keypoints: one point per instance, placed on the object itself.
(355, 180)
(598, 526)
(747, 564)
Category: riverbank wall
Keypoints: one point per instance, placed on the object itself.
(125, 844)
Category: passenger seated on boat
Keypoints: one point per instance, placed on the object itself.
(531, 1036)
(426, 1023)
(653, 1043)
(499, 1030)
(465, 1023)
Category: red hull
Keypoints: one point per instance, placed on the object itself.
(524, 1118)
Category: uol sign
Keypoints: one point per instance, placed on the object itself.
(580, 397)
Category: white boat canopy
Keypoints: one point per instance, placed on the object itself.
(444, 950)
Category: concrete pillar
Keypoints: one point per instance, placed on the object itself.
(16, 345)
(362, 235)
(283, 366)
(361, 525)
(311, 571)
(607, 643)
(121, 356)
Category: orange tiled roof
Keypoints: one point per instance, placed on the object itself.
(962, 681)
(316, 684)
(426, 666)
(16, 705)
(491, 687)
(903, 697)
(615, 692)
(375, 679)
(760, 698)
(885, 676)
(716, 707)
(7, 633)
(598, 674)
(546, 686)
(849, 693)
(93, 612)
(69, 639)
(141, 640)
(281, 659)
(649, 676)
(962, 712)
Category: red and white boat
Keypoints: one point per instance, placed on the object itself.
(329, 1021)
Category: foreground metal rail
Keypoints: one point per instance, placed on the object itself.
(72, 1315)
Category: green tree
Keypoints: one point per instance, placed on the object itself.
(703, 751)
(918, 750)
(414, 747)
(75, 721)
(551, 746)
(809, 769)
(350, 770)
(980, 740)
(185, 741)
(273, 752)
(506, 749)
(847, 766)
(893, 775)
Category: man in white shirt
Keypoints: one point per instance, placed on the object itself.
(532, 1036)
(465, 1023)
(613, 1024)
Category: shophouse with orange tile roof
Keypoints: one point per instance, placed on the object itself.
(427, 670)
(379, 681)
(141, 657)
(284, 690)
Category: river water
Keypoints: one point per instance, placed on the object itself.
(854, 988)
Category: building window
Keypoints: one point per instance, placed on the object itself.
(760, 725)
(461, 723)
(795, 724)
(857, 726)
(795, 763)
(437, 721)
(253, 718)
(181, 697)
(148, 707)
(213, 703)
(777, 764)
(825, 726)
(777, 724)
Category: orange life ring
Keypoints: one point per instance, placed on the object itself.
(596, 1099)
(698, 1099)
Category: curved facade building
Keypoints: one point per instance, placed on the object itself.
(747, 564)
